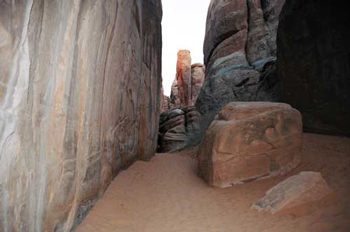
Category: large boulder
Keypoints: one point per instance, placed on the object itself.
(314, 63)
(240, 44)
(248, 141)
(297, 190)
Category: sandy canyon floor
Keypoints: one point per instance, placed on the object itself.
(166, 195)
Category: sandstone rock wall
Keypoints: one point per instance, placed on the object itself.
(314, 63)
(79, 101)
(240, 45)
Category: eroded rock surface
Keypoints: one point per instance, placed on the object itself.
(240, 43)
(314, 63)
(248, 141)
(187, 83)
(297, 190)
(172, 130)
(184, 92)
(79, 101)
(176, 127)
(183, 77)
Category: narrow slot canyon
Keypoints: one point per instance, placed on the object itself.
(255, 137)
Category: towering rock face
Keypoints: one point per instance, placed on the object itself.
(314, 63)
(79, 101)
(188, 82)
(183, 77)
(165, 101)
(240, 46)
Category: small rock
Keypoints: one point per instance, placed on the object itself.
(296, 190)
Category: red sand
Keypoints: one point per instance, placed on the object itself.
(166, 195)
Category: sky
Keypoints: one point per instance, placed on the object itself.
(183, 27)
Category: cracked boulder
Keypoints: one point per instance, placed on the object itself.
(250, 140)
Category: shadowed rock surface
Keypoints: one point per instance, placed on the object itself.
(239, 50)
(79, 101)
(249, 141)
(314, 63)
(176, 126)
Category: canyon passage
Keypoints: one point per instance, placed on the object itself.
(254, 138)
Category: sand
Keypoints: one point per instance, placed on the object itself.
(166, 195)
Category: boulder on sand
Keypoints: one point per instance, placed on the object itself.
(296, 190)
(250, 140)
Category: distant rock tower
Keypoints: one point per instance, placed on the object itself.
(179, 118)
(188, 82)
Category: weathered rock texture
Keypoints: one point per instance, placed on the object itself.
(79, 101)
(176, 126)
(176, 130)
(248, 141)
(314, 63)
(297, 190)
(183, 77)
(188, 82)
(240, 43)
(197, 80)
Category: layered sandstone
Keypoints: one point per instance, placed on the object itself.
(79, 101)
(176, 127)
(240, 45)
(249, 141)
(314, 63)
